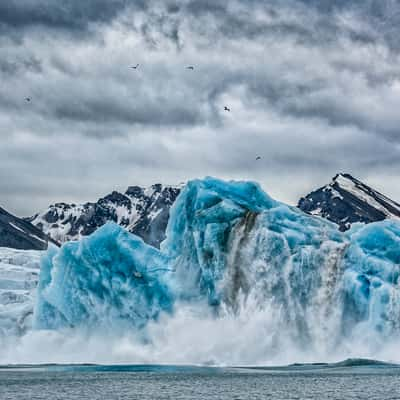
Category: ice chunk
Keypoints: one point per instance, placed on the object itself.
(228, 243)
(111, 278)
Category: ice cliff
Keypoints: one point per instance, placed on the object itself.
(229, 243)
(19, 275)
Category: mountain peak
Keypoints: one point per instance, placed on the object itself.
(343, 175)
(347, 200)
(143, 211)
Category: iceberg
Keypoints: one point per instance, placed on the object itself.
(229, 244)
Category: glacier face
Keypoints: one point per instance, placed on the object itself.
(19, 276)
(228, 246)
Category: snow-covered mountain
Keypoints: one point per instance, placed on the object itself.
(143, 211)
(346, 200)
(18, 233)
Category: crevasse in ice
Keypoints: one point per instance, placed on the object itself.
(227, 243)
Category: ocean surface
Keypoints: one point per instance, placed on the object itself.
(347, 380)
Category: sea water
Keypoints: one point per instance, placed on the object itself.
(321, 381)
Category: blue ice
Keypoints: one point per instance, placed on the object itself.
(228, 241)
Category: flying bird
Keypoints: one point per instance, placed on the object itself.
(135, 66)
(28, 99)
(258, 158)
(227, 109)
(190, 67)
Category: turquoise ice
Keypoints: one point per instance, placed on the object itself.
(111, 278)
(227, 243)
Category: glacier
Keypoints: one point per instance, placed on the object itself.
(232, 255)
(19, 276)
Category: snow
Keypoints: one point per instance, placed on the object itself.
(352, 188)
(388, 201)
(18, 228)
(154, 213)
(229, 244)
(336, 194)
(37, 238)
(317, 211)
(149, 191)
(124, 214)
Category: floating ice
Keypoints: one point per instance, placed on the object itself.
(229, 245)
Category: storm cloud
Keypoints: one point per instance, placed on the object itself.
(313, 88)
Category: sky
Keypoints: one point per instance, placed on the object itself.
(313, 87)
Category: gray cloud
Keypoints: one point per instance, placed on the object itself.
(314, 88)
(67, 15)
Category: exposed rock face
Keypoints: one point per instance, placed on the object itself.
(143, 211)
(20, 234)
(346, 200)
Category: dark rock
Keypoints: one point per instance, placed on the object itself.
(347, 200)
(20, 234)
(144, 212)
